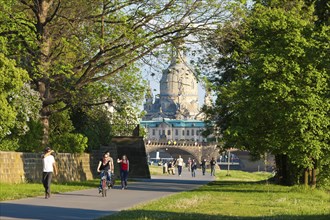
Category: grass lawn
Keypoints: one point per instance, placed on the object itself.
(23, 190)
(239, 196)
(155, 170)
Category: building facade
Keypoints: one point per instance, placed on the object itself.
(174, 130)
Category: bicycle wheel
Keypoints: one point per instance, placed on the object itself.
(104, 188)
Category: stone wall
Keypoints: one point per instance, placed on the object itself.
(17, 167)
(134, 149)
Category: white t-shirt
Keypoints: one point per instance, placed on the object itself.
(180, 162)
(48, 163)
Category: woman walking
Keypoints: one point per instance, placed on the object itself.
(193, 168)
(124, 169)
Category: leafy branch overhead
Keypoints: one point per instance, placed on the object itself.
(70, 48)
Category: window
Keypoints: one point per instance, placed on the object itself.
(176, 132)
(187, 132)
(168, 132)
(192, 132)
(153, 132)
(159, 132)
(163, 132)
(182, 132)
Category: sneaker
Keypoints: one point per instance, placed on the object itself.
(122, 188)
(100, 190)
(125, 187)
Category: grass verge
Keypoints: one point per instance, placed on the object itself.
(155, 170)
(24, 190)
(239, 196)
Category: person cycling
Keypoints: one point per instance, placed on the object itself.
(105, 167)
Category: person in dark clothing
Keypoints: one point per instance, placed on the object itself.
(203, 165)
(105, 167)
(193, 167)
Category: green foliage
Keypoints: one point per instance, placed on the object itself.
(9, 144)
(19, 104)
(69, 143)
(95, 124)
(71, 49)
(273, 84)
(31, 141)
(12, 80)
(62, 136)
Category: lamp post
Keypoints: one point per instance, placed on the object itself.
(228, 161)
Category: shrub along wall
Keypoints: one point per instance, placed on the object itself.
(17, 167)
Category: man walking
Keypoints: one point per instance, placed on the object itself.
(203, 165)
(213, 163)
(179, 163)
(49, 167)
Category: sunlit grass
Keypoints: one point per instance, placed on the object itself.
(155, 170)
(241, 195)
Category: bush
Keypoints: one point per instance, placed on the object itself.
(69, 143)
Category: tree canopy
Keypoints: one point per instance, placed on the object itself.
(272, 84)
(71, 48)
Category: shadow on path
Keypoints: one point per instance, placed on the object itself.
(20, 211)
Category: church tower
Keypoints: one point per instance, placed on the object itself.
(178, 98)
(178, 89)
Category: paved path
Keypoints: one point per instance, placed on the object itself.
(88, 204)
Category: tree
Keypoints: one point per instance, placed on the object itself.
(273, 86)
(67, 45)
(19, 104)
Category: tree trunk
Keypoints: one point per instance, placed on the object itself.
(314, 173)
(306, 177)
(45, 136)
(42, 10)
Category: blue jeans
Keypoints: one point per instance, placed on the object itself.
(179, 170)
(104, 172)
(193, 172)
(123, 178)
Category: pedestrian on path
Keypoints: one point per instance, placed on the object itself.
(193, 167)
(179, 163)
(112, 170)
(124, 169)
(213, 164)
(49, 167)
(189, 164)
(170, 168)
(203, 165)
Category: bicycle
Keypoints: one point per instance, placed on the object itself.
(104, 183)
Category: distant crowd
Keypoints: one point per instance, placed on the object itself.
(171, 166)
